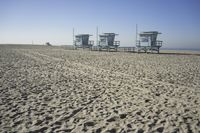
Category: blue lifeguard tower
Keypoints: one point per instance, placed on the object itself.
(107, 41)
(148, 42)
(82, 41)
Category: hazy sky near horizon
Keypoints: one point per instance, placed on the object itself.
(40, 21)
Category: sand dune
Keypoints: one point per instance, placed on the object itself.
(50, 89)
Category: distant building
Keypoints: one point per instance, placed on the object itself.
(48, 44)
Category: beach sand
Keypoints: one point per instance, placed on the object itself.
(51, 89)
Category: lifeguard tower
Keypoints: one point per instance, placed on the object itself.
(148, 42)
(82, 41)
(107, 41)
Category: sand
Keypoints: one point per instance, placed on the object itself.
(51, 89)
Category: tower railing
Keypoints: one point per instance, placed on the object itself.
(116, 43)
(156, 43)
(91, 43)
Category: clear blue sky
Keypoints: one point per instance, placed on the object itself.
(22, 21)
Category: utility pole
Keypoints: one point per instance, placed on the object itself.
(136, 34)
(97, 36)
(73, 36)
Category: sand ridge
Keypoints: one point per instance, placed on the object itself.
(47, 89)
